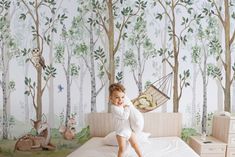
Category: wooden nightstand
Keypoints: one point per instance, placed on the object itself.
(214, 149)
(223, 128)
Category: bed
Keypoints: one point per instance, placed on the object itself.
(165, 130)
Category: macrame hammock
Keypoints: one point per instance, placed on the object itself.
(155, 95)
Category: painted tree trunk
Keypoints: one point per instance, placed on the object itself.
(5, 116)
(227, 66)
(111, 43)
(7, 89)
(4, 91)
(5, 82)
(81, 102)
(92, 72)
(194, 88)
(139, 82)
(68, 85)
(38, 69)
(175, 73)
(51, 87)
(4, 94)
(175, 88)
(39, 94)
(176, 65)
(7, 66)
(111, 74)
(204, 80)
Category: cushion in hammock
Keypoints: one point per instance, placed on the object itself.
(145, 103)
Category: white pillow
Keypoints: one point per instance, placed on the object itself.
(110, 139)
(136, 118)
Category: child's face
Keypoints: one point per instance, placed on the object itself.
(117, 98)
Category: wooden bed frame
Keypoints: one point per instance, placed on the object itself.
(158, 124)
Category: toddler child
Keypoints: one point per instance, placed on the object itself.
(121, 112)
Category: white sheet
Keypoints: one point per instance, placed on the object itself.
(157, 147)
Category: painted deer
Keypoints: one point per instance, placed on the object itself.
(69, 131)
(41, 141)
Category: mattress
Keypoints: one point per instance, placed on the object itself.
(156, 147)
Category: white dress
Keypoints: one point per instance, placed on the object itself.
(121, 120)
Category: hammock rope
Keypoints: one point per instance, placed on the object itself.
(164, 84)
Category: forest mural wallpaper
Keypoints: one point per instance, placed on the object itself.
(58, 58)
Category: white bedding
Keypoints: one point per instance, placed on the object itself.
(157, 147)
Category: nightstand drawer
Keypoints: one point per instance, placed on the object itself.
(212, 155)
(230, 152)
(232, 126)
(212, 149)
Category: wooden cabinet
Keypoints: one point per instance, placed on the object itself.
(215, 148)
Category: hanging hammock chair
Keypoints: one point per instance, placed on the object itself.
(155, 95)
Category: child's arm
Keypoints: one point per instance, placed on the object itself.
(121, 112)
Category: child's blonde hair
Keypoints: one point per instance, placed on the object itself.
(116, 87)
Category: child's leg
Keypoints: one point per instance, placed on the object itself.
(121, 145)
(134, 144)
